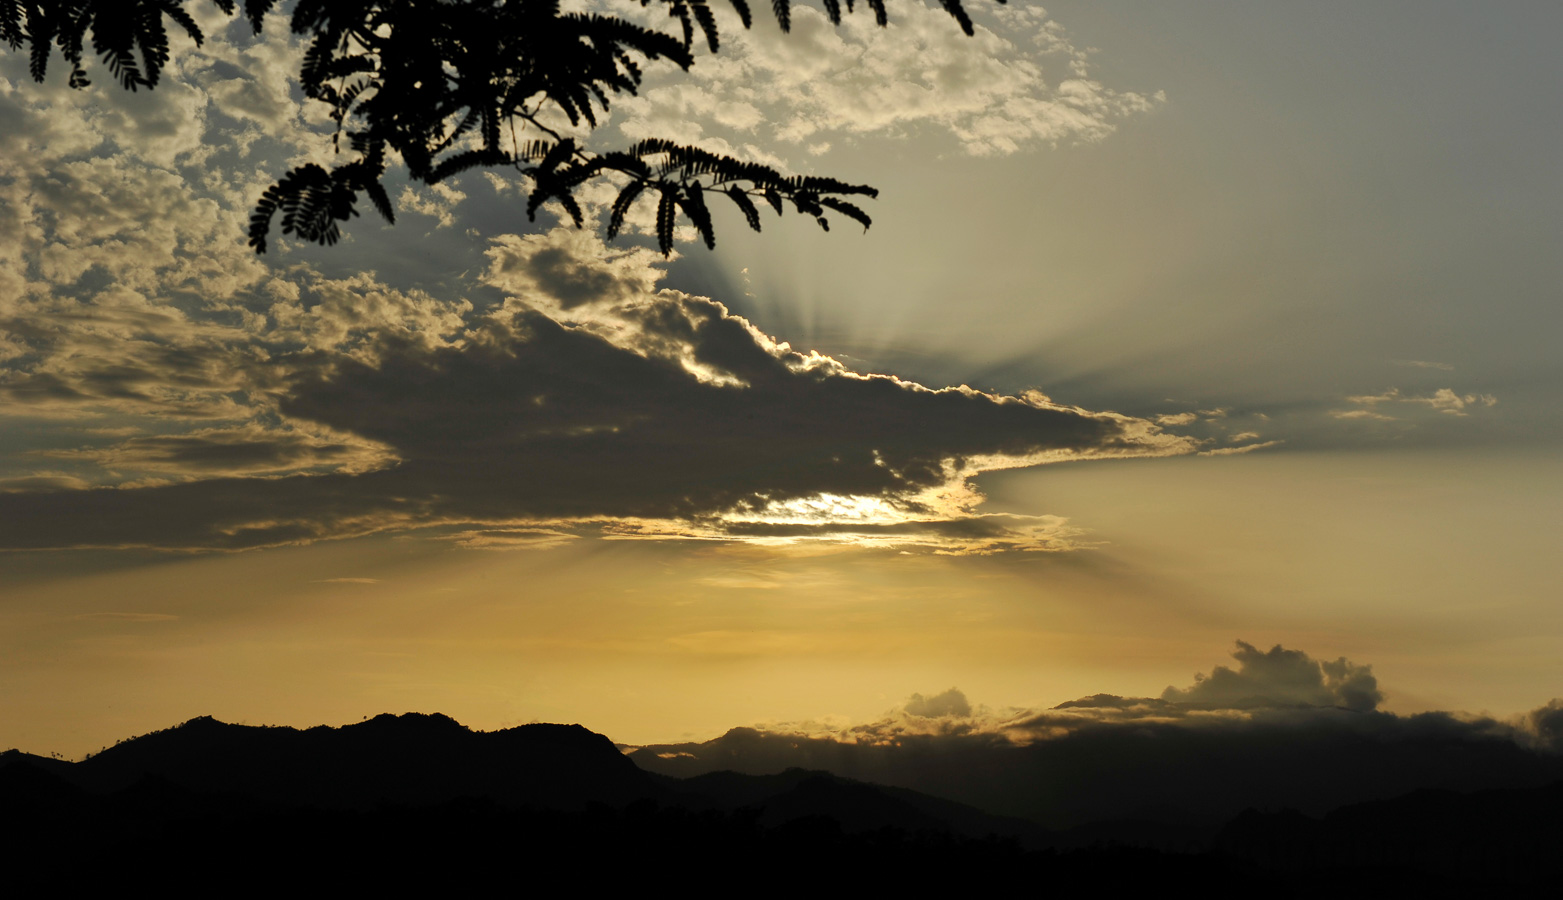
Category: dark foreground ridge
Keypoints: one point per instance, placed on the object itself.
(421, 801)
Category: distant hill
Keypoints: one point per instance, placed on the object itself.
(409, 759)
(1147, 771)
(421, 802)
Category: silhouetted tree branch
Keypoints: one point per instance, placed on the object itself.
(451, 85)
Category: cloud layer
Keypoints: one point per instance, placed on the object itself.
(187, 394)
(1281, 729)
(587, 395)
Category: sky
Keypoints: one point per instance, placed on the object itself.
(1179, 330)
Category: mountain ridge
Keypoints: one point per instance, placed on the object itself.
(396, 788)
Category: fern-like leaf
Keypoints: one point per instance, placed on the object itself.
(746, 206)
(848, 210)
(954, 8)
(621, 206)
(694, 205)
(742, 8)
(381, 201)
(707, 22)
(665, 215)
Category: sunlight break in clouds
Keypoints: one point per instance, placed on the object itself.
(274, 403)
(587, 399)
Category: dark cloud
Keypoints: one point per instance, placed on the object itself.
(1280, 678)
(1105, 757)
(243, 450)
(650, 407)
(43, 481)
(547, 420)
(950, 703)
(1545, 725)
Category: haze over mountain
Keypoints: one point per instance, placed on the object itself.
(1280, 730)
(405, 796)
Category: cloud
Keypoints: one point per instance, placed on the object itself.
(43, 481)
(950, 703)
(435, 200)
(125, 617)
(1280, 678)
(1444, 400)
(1245, 448)
(248, 449)
(203, 398)
(1544, 726)
(1283, 729)
(1020, 82)
(512, 538)
(587, 395)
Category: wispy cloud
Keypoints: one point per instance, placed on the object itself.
(1444, 400)
(125, 617)
(1235, 451)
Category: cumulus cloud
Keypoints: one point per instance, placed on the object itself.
(435, 200)
(950, 703)
(1282, 729)
(1280, 678)
(1544, 726)
(1019, 82)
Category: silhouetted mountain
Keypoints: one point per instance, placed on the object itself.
(1498, 834)
(1148, 771)
(411, 759)
(420, 802)
(856, 806)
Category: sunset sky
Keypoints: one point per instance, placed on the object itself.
(1178, 325)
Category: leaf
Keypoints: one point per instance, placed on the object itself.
(560, 152)
(707, 22)
(954, 8)
(742, 8)
(446, 86)
(742, 201)
(847, 210)
(783, 11)
(665, 215)
(621, 206)
(382, 202)
(694, 205)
